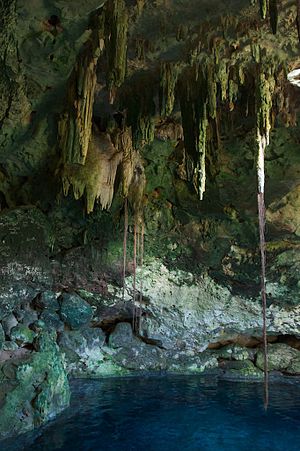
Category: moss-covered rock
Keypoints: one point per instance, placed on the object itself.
(74, 311)
(47, 300)
(34, 389)
(52, 320)
(281, 357)
(22, 335)
(242, 369)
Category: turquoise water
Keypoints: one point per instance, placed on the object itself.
(172, 413)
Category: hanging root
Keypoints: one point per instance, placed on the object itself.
(261, 216)
(134, 318)
(125, 244)
(141, 273)
(263, 141)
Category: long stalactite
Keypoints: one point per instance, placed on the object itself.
(75, 124)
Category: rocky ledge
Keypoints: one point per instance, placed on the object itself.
(181, 324)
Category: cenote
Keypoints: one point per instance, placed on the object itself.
(149, 225)
(172, 413)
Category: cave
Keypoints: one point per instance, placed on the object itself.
(149, 224)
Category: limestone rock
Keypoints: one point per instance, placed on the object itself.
(74, 311)
(281, 357)
(8, 323)
(122, 336)
(34, 389)
(84, 353)
(22, 335)
(52, 320)
(47, 301)
(242, 369)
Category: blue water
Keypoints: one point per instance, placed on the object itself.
(172, 413)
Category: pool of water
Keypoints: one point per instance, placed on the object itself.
(172, 413)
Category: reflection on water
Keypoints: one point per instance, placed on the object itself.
(172, 413)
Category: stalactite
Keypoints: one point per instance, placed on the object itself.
(116, 28)
(123, 142)
(264, 7)
(212, 90)
(233, 90)
(273, 12)
(140, 5)
(298, 18)
(137, 98)
(187, 109)
(96, 177)
(200, 170)
(223, 78)
(75, 125)
(168, 80)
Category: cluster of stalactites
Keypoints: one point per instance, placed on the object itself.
(116, 29)
(264, 100)
(203, 87)
(133, 173)
(168, 79)
(96, 178)
(270, 8)
(75, 124)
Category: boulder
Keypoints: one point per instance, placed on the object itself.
(122, 336)
(8, 323)
(34, 388)
(47, 301)
(281, 357)
(85, 355)
(74, 311)
(52, 320)
(241, 369)
(22, 335)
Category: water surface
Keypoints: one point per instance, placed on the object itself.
(172, 413)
